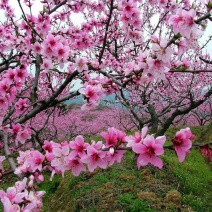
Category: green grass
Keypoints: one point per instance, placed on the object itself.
(195, 177)
(49, 187)
(130, 203)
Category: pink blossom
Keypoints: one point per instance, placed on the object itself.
(182, 143)
(62, 52)
(21, 185)
(47, 65)
(75, 165)
(23, 135)
(3, 103)
(60, 158)
(20, 105)
(81, 64)
(37, 48)
(91, 93)
(183, 22)
(29, 161)
(148, 151)
(94, 158)
(51, 41)
(15, 129)
(113, 137)
(206, 150)
(34, 200)
(48, 147)
(10, 75)
(13, 197)
(21, 74)
(11, 94)
(163, 52)
(4, 86)
(97, 145)
(35, 161)
(89, 106)
(116, 156)
(78, 147)
(128, 8)
(182, 47)
(38, 177)
(137, 138)
(22, 162)
(9, 206)
(156, 65)
(18, 198)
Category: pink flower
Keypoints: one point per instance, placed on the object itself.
(3, 103)
(22, 162)
(128, 8)
(162, 52)
(114, 137)
(115, 156)
(182, 143)
(182, 47)
(78, 146)
(4, 86)
(21, 185)
(36, 48)
(23, 135)
(21, 74)
(206, 150)
(10, 75)
(34, 201)
(137, 138)
(20, 105)
(148, 151)
(91, 93)
(156, 65)
(15, 128)
(94, 158)
(11, 95)
(81, 64)
(60, 158)
(75, 165)
(62, 52)
(9, 206)
(35, 161)
(48, 147)
(17, 198)
(89, 106)
(51, 41)
(47, 65)
(183, 22)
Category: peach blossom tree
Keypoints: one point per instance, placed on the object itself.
(47, 57)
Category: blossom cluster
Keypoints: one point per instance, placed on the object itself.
(10, 84)
(21, 197)
(76, 155)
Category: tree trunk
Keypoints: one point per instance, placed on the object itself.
(154, 119)
(8, 154)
